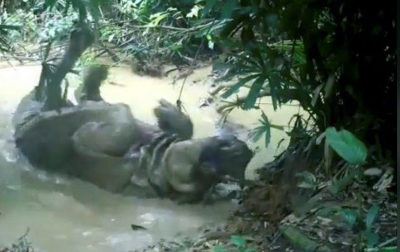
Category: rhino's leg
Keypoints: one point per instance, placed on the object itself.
(107, 172)
(170, 119)
(80, 40)
(108, 138)
(99, 150)
(200, 188)
(89, 90)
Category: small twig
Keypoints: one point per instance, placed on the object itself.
(195, 57)
(26, 232)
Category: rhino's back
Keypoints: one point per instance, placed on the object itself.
(46, 139)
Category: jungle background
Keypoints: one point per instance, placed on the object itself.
(335, 185)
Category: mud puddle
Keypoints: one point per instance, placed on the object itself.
(69, 215)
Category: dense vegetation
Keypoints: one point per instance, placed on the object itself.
(336, 58)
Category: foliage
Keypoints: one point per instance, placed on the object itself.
(365, 227)
(26, 21)
(321, 56)
(354, 152)
(347, 146)
(239, 243)
(147, 30)
(264, 129)
(5, 41)
(55, 16)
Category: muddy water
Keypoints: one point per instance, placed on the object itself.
(70, 215)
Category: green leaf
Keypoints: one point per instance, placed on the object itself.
(238, 241)
(371, 216)
(264, 128)
(388, 249)
(264, 117)
(228, 8)
(209, 5)
(349, 215)
(267, 138)
(254, 92)
(219, 248)
(52, 3)
(372, 238)
(238, 85)
(257, 133)
(279, 143)
(10, 27)
(278, 127)
(274, 84)
(346, 145)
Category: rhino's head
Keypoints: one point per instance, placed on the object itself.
(226, 155)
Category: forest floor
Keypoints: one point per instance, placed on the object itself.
(274, 216)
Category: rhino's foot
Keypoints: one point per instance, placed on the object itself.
(89, 90)
(172, 120)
